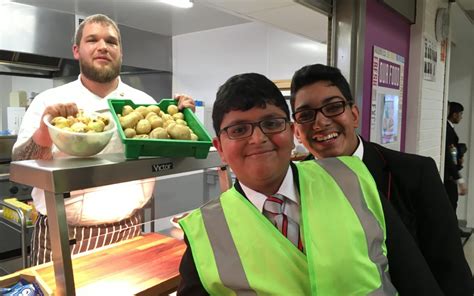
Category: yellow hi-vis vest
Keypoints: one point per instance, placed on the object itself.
(237, 251)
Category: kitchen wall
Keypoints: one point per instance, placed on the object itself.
(5, 88)
(202, 61)
(426, 103)
(17, 83)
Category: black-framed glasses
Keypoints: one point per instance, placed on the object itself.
(328, 110)
(244, 130)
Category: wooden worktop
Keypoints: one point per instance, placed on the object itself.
(145, 265)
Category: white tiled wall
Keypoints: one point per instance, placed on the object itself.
(432, 107)
(425, 98)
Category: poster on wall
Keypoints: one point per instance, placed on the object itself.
(387, 98)
(430, 60)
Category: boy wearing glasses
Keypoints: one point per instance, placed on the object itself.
(325, 122)
(314, 228)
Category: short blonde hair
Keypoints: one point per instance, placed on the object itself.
(96, 18)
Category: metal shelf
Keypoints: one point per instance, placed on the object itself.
(60, 176)
(68, 174)
(20, 227)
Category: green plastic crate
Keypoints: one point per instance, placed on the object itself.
(135, 148)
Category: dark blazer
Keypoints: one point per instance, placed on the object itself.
(408, 269)
(413, 186)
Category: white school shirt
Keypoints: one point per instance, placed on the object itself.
(287, 189)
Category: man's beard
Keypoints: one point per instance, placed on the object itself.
(103, 74)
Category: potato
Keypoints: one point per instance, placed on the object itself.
(154, 109)
(182, 122)
(141, 137)
(81, 118)
(159, 133)
(156, 122)
(96, 125)
(130, 132)
(143, 127)
(143, 110)
(194, 137)
(179, 132)
(130, 120)
(167, 117)
(136, 114)
(150, 114)
(161, 114)
(58, 119)
(172, 109)
(71, 120)
(104, 119)
(178, 115)
(167, 123)
(79, 127)
(60, 122)
(127, 109)
(62, 125)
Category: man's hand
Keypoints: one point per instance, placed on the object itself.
(41, 136)
(462, 189)
(185, 101)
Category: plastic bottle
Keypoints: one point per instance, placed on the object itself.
(454, 154)
(199, 110)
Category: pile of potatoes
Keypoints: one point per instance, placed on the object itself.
(81, 123)
(151, 122)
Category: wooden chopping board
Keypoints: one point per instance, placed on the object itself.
(145, 265)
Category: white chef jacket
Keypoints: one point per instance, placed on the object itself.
(105, 204)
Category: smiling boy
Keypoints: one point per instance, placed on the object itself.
(315, 228)
(326, 119)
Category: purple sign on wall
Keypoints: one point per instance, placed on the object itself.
(387, 98)
(388, 74)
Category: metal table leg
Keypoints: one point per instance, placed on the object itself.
(58, 232)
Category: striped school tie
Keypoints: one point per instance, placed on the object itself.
(275, 209)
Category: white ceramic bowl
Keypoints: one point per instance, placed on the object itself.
(80, 144)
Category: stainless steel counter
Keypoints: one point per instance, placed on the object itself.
(60, 176)
(65, 175)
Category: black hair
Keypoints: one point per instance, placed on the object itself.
(310, 74)
(243, 92)
(454, 107)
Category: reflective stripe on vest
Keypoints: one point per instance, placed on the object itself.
(271, 263)
(348, 182)
(228, 262)
(238, 251)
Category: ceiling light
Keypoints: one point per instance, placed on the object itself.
(179, 3)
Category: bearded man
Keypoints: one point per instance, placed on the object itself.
(96, 216)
